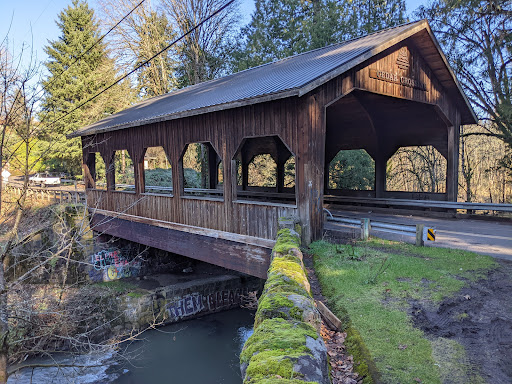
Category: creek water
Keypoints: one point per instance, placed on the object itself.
(204, 350)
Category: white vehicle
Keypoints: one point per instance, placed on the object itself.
(44, 179)
(5, 176)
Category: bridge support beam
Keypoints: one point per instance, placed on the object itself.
(236, 254)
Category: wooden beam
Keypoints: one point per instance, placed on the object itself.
(247, 258)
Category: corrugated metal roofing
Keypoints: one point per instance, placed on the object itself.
(292, 76)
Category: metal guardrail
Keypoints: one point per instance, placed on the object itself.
(366, 225)
(421, 203)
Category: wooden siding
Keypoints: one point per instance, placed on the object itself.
(225, 130)
(418, 70)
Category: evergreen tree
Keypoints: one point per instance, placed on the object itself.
(352, 169)
(369, 16)
(279, 29)
(77, 72)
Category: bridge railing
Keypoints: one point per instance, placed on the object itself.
(211, 192)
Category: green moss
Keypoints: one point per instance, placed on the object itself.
(363, 362)
(284, 247)
(271, 363)
(296, 313)
(135, 294)
(292, 257)
(281, 283)
(274, 301)
(278, 334)
(298, 229)
(282, 266)
(276, 305)
(277, 380)
(274, 347)
(286, 240)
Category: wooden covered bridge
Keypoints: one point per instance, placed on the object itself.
(389, 89)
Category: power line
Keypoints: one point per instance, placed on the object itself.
(147, 61)
(92, 46)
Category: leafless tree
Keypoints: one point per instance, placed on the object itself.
(481, 177)
(202, 53)
(417, 169)
(44, 308)
(139, 37)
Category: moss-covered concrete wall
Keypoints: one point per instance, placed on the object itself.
(286, 346)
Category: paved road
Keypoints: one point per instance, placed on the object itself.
(485, 237)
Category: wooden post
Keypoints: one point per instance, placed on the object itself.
(280, 175)
(89, 168)
(213, 162)
(419, 235)
(380, 175)
(140, 182)
(452, 163)
(110, 171)
(365, 229)
(310, 160)
(245, 174)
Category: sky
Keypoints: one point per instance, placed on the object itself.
(31, 23)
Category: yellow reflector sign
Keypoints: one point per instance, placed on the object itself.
(431, 234)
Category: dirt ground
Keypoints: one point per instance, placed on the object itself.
(479, 317)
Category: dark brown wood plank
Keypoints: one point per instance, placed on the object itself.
(250, 259)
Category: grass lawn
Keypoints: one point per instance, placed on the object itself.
(371, 286)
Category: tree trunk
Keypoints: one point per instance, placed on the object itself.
(4, 328)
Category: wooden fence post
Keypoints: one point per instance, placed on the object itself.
(419, 235)
(365, 229)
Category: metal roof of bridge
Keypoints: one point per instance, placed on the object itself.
(292, 76)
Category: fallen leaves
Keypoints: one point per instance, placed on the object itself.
(341, 364)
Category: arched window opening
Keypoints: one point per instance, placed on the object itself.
(200, 165)
(416, 169)
(262, 172)
(124, 171)
(265, 170)
(157, 172)
(351, 170)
